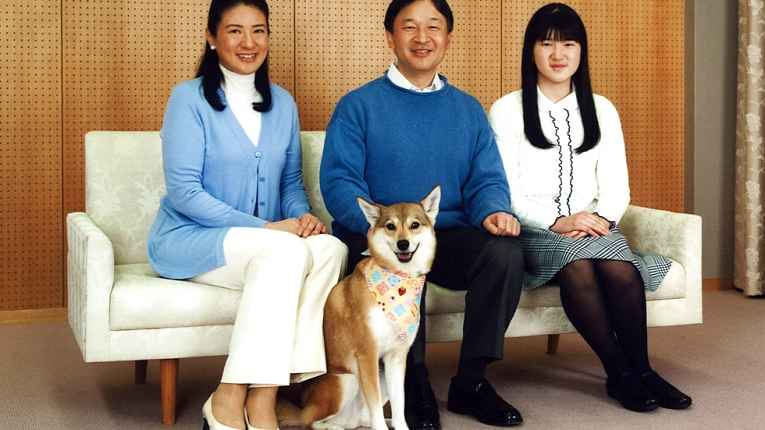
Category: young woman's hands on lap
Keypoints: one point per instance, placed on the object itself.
(581, 224)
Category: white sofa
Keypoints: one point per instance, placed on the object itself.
(120, 310)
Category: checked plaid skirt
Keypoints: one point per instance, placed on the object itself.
(546, 252)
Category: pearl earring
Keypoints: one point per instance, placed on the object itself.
(212, 47)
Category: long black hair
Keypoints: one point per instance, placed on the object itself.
(557, 21)
(209, 66)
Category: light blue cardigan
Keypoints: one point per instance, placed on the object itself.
(216, 178)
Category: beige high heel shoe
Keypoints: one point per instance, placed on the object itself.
(208, 419)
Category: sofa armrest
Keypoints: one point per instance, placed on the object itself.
(674, 235)
(90, 277)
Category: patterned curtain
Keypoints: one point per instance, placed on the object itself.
(750, 163)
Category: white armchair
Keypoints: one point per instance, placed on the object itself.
(120, 310)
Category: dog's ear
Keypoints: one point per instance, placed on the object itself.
(430, 204)
(371, 211)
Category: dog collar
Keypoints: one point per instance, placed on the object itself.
(398, 295)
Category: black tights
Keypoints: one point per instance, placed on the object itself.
(605, 300)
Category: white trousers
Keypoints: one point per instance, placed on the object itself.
(278, 334)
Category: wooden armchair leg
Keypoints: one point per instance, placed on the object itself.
(552, 343)
(140, 372)
(168, 382)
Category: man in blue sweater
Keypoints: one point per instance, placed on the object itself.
(393, 140)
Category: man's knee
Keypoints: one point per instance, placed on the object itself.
(356, 244)
(504, 253)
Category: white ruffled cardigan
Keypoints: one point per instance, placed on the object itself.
(548, 183)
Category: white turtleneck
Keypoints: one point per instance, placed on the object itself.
(240, 95)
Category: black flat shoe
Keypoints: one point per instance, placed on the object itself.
(482, 402)
(668, 396)
(420, 406)
(629, 390)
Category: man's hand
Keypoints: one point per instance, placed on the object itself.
(311, 225)
(502, 224)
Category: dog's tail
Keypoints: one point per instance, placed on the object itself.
(289, 414)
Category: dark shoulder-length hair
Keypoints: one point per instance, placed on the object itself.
(557, 21)
(209, 68)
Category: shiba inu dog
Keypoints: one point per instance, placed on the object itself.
(371, 315)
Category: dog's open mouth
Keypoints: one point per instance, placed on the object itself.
(405, 257)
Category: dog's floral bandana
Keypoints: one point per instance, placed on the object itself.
(398, 295)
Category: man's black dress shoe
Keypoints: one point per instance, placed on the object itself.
(420, 406)
(479, 400)
(668, 396)
(629, 390)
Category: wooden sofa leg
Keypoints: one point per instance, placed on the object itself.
(140, 372)
(168, 381)
(552, 343)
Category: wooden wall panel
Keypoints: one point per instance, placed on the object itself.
(30, 156)
(473, 60)
(637, 61)
(122, 58)
(340, 44)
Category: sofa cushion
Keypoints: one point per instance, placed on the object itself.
(440, 300)
(142, 300)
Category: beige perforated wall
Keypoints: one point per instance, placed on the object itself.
(637, 61)
(71, 66)
(122, 58)
(30, 156)
(341, 45)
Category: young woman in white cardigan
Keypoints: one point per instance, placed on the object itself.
(564, 157)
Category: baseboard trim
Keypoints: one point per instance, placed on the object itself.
(717, 284)
(27, 316)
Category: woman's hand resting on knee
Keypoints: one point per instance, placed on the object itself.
(306, 225)
(581, 224)
(311, 225)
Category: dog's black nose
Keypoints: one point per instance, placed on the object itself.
(403, 245)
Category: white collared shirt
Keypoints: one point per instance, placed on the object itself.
(400, 80)
(548, 183)
(240, 95)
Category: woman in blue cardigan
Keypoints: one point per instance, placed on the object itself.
(236, 216)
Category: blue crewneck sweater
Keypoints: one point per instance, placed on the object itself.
(388, 144)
